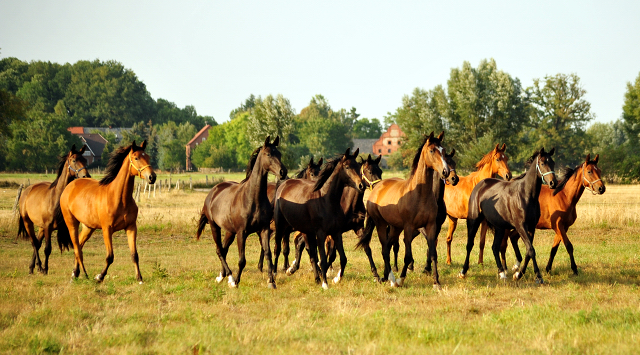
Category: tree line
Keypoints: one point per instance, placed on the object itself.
(478, 107)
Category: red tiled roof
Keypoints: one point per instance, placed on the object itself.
(204, 129)
(76, 130)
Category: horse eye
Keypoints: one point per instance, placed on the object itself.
(589, 172)
(432, 151)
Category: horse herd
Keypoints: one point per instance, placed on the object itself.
(322, 202)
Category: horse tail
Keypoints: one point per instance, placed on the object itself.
(367, 233)
(22, 231)
(64, 237)
(201, 224)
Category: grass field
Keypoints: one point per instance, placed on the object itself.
(180, 308)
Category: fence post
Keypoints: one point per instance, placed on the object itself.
(206, 180)
(154, 190)
(190, 183)
(15, 205)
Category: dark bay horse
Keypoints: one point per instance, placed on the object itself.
(397, 205)
(107, 204)
(311, 172)
(511, 205)
(243, 208)
(353, 208)
(456, 197)
(314, 209)
(38, 204)
(558, 208)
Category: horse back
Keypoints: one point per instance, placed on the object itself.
(301, 206)
(36, 205)
(457, 197)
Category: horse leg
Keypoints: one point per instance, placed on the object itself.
(385, 243)
(108, 243)
(330, 245)
(527, 238)
(261, 260)
(217, 239)
(242, 261)
(408, 254)
(320, 239)
(265, 235)
(36, 242)
(432, 257)
(73, 226)
(313, 257)
(514, 236)
(339, 246)
(496, 247)
(286, 249)
(472, 228)
(453, 223)
(372, 264)
(569, 247)
(132, 235)
(427, 265)
(503, 249)
(300, 245)
(396, 248)
(554, 250)
(47, 250)
(483, 237)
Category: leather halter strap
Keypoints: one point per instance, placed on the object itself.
(369, 182)
(543, 175)
(77, 171)
(584, 177)
(139, 170)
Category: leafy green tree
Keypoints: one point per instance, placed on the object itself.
(322, 130)
(271, 116)
(559, 114)
(365, 128)
(631, 111)
(248, 104)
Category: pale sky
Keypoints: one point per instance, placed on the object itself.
(366, 54)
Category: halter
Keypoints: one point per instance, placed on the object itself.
(540, 171)
(77, 171)
(371, 183)
(590, 187)
(139, 170)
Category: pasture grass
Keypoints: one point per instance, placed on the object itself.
(180, 308)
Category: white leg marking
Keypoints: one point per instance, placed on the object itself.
(516, 275)
(219, 278)
(325, 286)
(503, 275)
(400, 282)
(232, 282)
(338, 277)
(392, 279)
(516, 266)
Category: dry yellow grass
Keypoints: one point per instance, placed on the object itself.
(180, 307)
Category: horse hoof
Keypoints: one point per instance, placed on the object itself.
(325, 286)
(517, 275)
(98, 278)
(140, 283)
(219, 278)
(376, 280)
(290, 271)
(395, 269)
(461, 275)
(393, 283)
(516, 266)
(503, 276)
(400, 282)
(539, 280)
(437, 287)
(232, 283)
(336, 279)
(271, 285)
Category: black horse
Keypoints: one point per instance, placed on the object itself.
(509, 205)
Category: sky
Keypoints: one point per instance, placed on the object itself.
(366, 54)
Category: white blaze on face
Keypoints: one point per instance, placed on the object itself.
(444, 163)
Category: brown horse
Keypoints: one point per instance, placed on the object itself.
(107, 204)
(511, 205)
(397, 205)
(558, 208)
(353, 206)
(311, 173)
(38, 204)
(243, 208)
(456, 197)
(314, 209)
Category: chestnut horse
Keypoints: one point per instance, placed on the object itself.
(314, 209)
(38, 204)
(558, 208)
(456, 197)
(397, 205)
(511, 205)
(311, 172)
(353, 206)
(107, 204)
(243, 208)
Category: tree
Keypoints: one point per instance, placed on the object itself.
(322, 130)
(365, 128)
(631, 110)
(271, 116)
(559, 114)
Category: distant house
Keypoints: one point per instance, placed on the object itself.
(364, 144)
(94, 141)
(389, 142)
(200, 137)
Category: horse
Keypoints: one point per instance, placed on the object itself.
(511, 205)
(311, 172)
(353, 206)
(456, 197)
(107, 204)
(397, 205)
(243, 208)
(37, 207)
(558, 208)
(313, 208)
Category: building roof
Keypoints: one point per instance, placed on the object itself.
(204, 129)
(117, 131)
(95, 142)
(364, 144)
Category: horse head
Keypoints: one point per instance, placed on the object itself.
(591, 178)
(77, 163)
(500, 162)
(433, 154)
(270, 158)
(312, 171)
(545, 167)
(453, 178)
(140, 163)
(350, 171)
(370, 171)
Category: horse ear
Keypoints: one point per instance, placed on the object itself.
(143, 145)
(587, 158)
(133, 145)
(369, 158)
(266, 141)
(357, 152)
(453, 152)
(73, 149)
(430, 135)
(320, 162)
(553, 150)
(541, 151)
(378, 158)
(348, 152)
(311, 161)
(504, 147)
(276, 141)
(595, 160)
(84, 147)
(441, 136)
(497, 148)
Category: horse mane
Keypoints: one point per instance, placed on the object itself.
(326, 171)
(486, 159)
(61, 162)
(564, 174)
(300, 174)
(251, 163)
(527, 164)
(416, 158)
(115, 163)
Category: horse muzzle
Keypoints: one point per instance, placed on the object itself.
(152, 178)
(553, 183)
(283, 173)
(601, 189)
(454, 180)
(508, 176)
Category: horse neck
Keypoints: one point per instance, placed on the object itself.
(63, 180)
(257, 183)
(485, 172)
(350, 196)
(421, 175)
(532, 183)
(122, 185)
(574, 188)
(332, 189)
